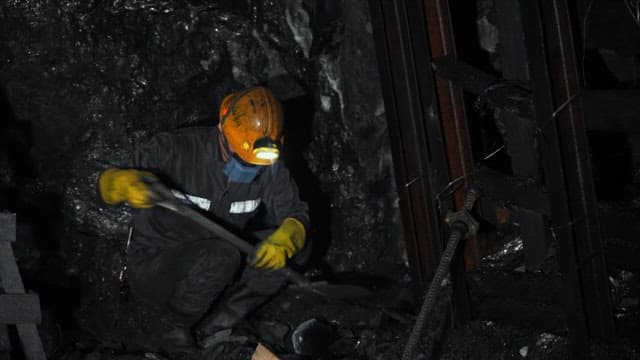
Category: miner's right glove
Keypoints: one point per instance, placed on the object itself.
(126, 185)
(286, 241)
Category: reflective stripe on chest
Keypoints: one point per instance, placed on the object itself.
(202, 203)
(237, 207)
(243, 207)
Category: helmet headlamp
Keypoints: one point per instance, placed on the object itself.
(266, 149)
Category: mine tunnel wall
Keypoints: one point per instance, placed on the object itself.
(85, 83)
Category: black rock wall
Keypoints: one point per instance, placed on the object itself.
(84, 82)
(350, 152)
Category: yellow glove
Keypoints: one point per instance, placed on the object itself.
(120, 185)
(286, 241)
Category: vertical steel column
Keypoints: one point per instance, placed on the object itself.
(568, 177)
(428, 132)
(452, 111)
(414, 127)
(456, 134)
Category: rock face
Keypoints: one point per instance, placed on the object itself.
(350, 152)
(85, 82)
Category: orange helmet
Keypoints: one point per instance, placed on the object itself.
(251, 122)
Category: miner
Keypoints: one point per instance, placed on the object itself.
(231, 173)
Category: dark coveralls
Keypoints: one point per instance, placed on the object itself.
(176, 264)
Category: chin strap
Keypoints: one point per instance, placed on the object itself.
(224, 151)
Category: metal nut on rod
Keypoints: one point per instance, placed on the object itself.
(463, 217)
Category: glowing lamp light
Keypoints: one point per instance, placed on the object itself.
(266, 153)
(266, 149)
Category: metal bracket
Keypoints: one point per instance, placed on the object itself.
(464, 218)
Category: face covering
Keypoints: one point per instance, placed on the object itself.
(238, 172)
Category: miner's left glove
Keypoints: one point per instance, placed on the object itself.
(286, 241)
(126, 185)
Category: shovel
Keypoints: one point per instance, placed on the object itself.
(165, 198)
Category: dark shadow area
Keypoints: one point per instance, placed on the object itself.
(598, 74)
(611, 161)
(486, 138)
(467, 37)
(298, 132)
(15, 144)
(39, 226)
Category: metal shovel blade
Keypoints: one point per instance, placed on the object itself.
(336, 291)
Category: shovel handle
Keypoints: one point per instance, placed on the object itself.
(294, 276)
(167, 200)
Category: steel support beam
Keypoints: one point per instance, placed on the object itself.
(452, 112)
(568, 177)
(428, 132)
(414, 127)
(457, 142)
